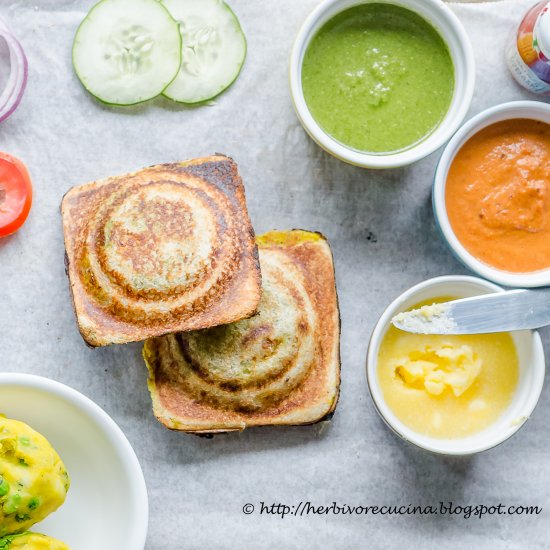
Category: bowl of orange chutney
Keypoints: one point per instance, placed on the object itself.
(491, 194)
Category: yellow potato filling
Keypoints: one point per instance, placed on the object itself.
(33, 479)
(31, 541)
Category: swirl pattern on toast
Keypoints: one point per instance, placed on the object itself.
(280, 366)
(165, 249)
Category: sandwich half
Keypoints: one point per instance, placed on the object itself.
(168, 248)
(279, 367)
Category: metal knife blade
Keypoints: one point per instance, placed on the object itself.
(498, 312)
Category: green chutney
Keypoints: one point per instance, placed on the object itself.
(378, 78)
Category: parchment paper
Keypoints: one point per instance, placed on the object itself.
(381, 229)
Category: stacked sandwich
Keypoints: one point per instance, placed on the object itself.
(239, 331)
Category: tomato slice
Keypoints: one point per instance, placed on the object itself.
(15, 194)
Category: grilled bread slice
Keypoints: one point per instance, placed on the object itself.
(168, 248)
(279, 367)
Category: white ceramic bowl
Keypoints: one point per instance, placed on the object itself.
(531, 366)
(106, 506)
(450, 28)
(535, 110)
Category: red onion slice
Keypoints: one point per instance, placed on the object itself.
(17, 81)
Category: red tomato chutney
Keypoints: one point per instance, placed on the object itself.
(498, 195)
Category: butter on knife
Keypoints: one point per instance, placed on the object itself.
(497, 312)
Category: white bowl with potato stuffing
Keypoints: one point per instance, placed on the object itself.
(526, 395)
(106, 506)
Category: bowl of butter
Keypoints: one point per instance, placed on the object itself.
(452, 394)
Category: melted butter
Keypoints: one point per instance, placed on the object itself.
(447, 386)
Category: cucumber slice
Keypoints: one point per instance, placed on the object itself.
(213, 49)
(127, 51)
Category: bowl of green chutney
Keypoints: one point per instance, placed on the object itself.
(381, 83)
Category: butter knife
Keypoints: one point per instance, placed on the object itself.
(498, 312)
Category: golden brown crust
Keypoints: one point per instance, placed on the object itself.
(280, 367)
(168, 248)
